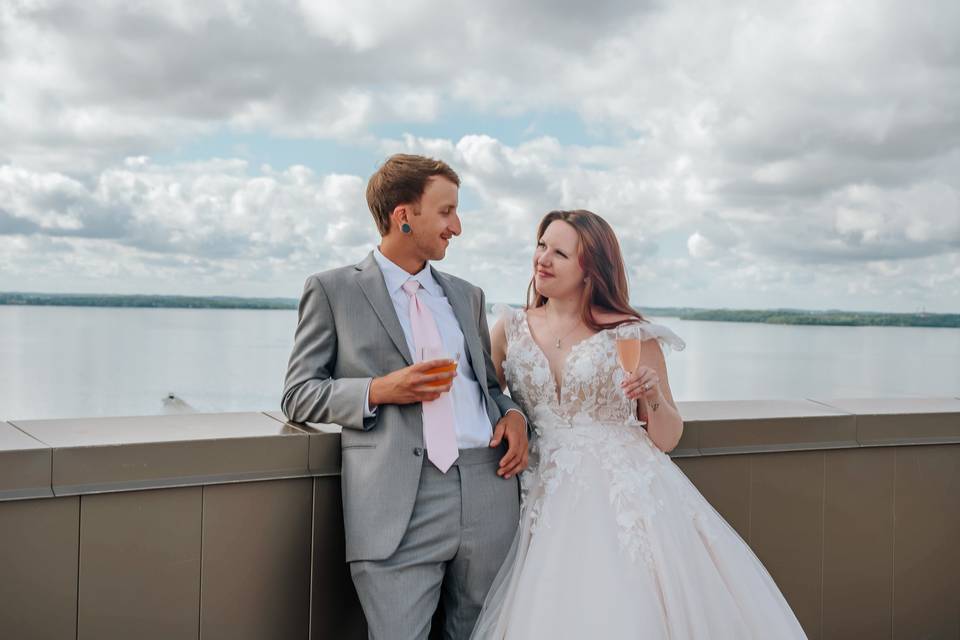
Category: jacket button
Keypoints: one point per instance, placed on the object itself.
(418, 451)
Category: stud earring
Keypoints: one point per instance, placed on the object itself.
(405, 228)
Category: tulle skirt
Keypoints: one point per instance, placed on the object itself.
(615, 542)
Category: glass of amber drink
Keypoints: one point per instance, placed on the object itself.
(439, 353)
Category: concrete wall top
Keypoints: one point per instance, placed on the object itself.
(40, 458)
(24, 465)
(93, 455)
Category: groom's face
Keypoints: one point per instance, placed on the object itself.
(437, 221)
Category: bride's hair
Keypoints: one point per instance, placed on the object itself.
(602, 264)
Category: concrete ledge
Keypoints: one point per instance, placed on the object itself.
(44, 458)
(324, 454)
(24, 465)
(757, 426)
(902, 421)
(94, 455)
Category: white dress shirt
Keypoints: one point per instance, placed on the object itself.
(472, 424)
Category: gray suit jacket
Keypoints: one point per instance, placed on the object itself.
(348, 333)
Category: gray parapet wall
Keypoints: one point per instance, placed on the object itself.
(229, 525)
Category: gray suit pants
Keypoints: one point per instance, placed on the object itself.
(462, 526)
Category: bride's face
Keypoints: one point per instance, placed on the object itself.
(556, 261)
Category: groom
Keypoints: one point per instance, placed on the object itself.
(430, 496)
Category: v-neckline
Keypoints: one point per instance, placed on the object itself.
(557, 386)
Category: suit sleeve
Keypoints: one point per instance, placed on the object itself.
(310, 392)
(502, 400)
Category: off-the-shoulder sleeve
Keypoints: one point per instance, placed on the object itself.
(500, 310)
(665, 336)
(505, 312)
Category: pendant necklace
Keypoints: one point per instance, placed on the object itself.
(564, 337)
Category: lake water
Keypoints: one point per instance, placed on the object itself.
(82, 361)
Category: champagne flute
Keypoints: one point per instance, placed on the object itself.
(628, 347)
(438, 353)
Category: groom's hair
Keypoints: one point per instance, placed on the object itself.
(402, 180)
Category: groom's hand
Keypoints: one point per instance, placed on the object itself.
(412, 384)
(512, 427)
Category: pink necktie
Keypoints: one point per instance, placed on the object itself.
(439, 437)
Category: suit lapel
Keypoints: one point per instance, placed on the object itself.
(468, 324)
(371, 282)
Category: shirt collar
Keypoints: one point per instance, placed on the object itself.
(394, 276)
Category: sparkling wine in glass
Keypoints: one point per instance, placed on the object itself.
(628, 347)
(439, 353)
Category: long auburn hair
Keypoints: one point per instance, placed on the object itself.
(602, 264)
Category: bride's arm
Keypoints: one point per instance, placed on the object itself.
(498, 349)
(656, 405)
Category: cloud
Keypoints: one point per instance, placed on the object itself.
(738, 148)
(700, 246)
(212, 215)
(104, 78)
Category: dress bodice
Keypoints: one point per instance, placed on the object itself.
(589, 391)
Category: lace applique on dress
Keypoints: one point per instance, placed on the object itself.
(591, 418)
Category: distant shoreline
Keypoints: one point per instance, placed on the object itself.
(144, 301)
(766, 316)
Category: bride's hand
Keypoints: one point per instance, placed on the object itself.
(642, 382)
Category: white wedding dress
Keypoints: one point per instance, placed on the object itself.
(614, 540)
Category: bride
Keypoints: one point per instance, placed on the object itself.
(614, 541)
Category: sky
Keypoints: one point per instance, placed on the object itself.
(749, 154)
